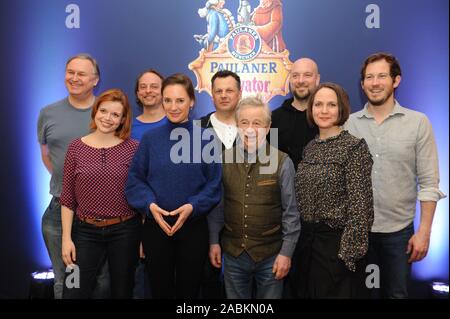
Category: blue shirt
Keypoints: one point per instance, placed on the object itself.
(138, 128)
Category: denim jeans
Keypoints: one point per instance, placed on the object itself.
(239, 273)
(52, 233)
(388, 251)
(117, 244)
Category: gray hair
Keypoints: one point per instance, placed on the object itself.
(85, 56)
(254, 101)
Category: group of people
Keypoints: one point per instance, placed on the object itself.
(290, 204)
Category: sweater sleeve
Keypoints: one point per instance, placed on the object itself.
(138, 192)
(216, 221)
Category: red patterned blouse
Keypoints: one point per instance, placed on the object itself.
(94, 179)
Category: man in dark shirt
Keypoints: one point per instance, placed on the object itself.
(294, 133)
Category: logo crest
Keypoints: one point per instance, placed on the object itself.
(253, 47)
(244, 43)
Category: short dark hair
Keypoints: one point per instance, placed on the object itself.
(180, 79)
(394, 66)
(115, 95)
(86, 56)
(136, 87)
(342, 99)
(224, 74)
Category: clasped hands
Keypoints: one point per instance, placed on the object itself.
(183, 212)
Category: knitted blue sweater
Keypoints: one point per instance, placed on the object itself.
(156, 177)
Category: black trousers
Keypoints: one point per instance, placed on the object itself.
(212, 286)
(176, 263)
(320, 273)
(118, 245)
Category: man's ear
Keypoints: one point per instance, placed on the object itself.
(397, 81)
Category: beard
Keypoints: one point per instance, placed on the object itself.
(380, 100)
(301, 97)
(150, 101)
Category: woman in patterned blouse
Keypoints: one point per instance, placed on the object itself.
(104, 227)
(334, 197)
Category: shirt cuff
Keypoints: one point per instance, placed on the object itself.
(430, 194)
(287, 248)
(213, 238)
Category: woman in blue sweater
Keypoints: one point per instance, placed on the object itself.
(171, 184)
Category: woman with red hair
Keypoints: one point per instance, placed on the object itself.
(97, 222)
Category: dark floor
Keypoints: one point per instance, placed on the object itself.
(417, 290)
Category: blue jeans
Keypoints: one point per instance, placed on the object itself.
(388, 251)
(117, 244)
(52, 233)
(239, 273)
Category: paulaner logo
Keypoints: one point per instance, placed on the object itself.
(244, 43)
(251, 45)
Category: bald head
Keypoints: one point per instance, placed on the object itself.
(303, 79)
(306, 64)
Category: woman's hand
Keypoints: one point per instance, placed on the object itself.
(183, 213)
(68, 252)
(158, 214)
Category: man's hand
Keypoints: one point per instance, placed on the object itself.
(281, 266)
(418, 246)
(158, 214)
(215, 255)
(183, 213)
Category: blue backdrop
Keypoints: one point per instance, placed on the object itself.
(128, 36)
